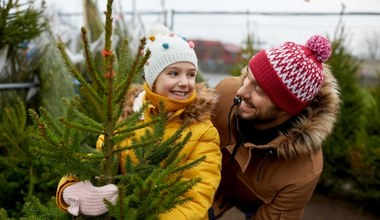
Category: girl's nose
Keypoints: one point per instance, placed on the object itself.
(183, 81)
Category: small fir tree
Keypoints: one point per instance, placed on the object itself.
(21, 175)
(153, 184)
(248, 51)
(19, 24)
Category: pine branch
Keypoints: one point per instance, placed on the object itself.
(19, 22)
(42, 126)
(94, 75)
(136, 67)
(84, 123)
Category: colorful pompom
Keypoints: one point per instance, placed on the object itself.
(152, 38)
(191, 44)
(320, 46)
(165, 45)
(171, 34)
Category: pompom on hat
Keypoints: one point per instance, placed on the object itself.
(166, 49)
(290, 74)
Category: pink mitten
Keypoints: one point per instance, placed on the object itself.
(83, 197)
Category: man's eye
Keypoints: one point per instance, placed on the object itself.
(259, 90)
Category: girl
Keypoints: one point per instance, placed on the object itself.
(170, 77)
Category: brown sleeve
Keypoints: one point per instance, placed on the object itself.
(227, 89)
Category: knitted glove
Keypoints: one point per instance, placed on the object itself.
(83, 197)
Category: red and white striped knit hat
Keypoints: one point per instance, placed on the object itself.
(290, 74)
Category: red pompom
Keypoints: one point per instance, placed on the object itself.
(106, 53)
(320, 46)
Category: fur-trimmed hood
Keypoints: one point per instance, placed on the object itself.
(200, 110)
(313, 125)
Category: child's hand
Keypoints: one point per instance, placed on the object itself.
(84, 198)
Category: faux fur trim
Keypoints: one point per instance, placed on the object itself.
(200, 110)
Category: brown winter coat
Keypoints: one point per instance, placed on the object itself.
(278, 178)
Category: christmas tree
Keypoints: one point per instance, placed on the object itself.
(153, 184)
(19, 24)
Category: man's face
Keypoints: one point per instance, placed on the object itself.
(256, 105)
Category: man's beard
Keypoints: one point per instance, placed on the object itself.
(270, 116)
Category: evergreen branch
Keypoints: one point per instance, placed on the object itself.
(175, 150)
(13, 125)
(123, 61)
(97, 155)
(44, 133)
(189, 165)
(133, 118)
(109, 76)
(80, 126)
(90, 61)
(36, 211)
(83, 118)
(19, 25)
(136, 145)
(50, 119)
(108, 26)
(136, 127)
(170, 188)
(178, 187)
(121, 198)
(74, 71)
(136, 68)
(71, 105)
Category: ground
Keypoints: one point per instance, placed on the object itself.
(321, 207)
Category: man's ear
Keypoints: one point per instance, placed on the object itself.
(284, 116)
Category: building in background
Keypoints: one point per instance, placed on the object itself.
(216, 56)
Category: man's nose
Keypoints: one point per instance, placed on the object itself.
(242, 91)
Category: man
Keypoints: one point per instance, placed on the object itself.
(272, 122)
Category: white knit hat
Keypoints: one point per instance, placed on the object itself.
(166, 48)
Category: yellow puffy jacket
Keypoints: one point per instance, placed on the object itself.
(203, 142)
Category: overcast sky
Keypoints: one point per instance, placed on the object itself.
(252, 5)
(269, 30)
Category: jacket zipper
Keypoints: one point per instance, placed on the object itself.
(269, 156)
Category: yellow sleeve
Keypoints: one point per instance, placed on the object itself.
(62, 185)
(99, 142)
(202, 194)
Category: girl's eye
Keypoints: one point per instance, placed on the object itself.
(173, 73)
(191, 74)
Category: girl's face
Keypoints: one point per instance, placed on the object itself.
(176, 81)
